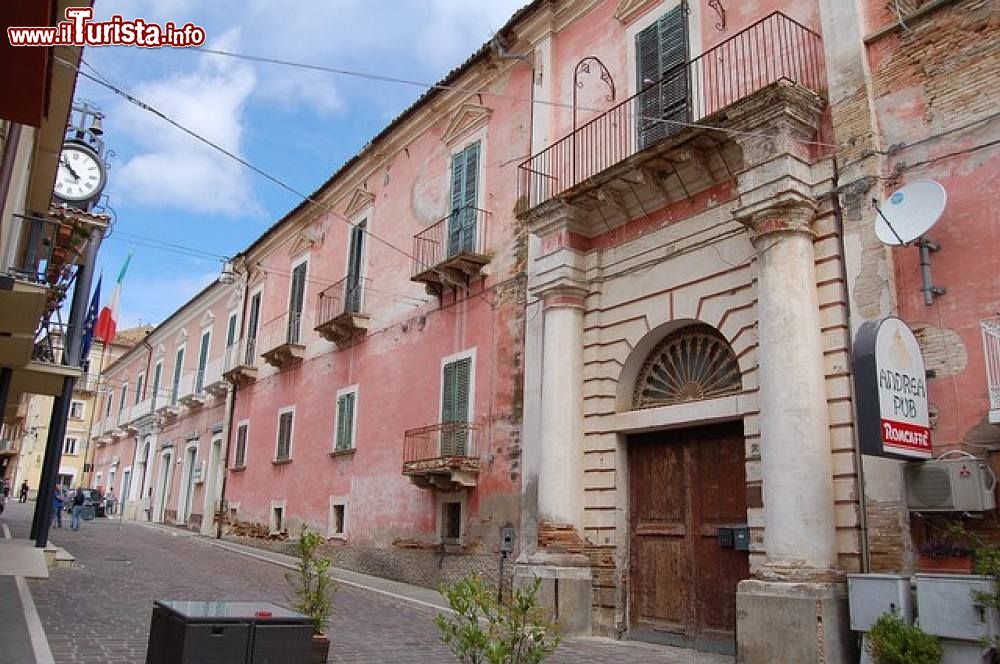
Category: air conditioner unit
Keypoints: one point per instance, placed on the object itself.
(953, 485)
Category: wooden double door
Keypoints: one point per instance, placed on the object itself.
(683, 485)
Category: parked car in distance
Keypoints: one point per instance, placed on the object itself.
(91, 498)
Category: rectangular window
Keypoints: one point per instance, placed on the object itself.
(296, 299)
(284, 450)
(451, 522)
(464, 201)
(337, 520)
(231, 330)
(455, 407)
(277, 519)
(345, 421)
(108, 400)
(661, 51)
(121, 403)
(206, 338)
(140, 379)
(157, 377)
(252, 324)
(76, 410)
(69, 445)
(240, 460)
(353, 287)
(175, 385)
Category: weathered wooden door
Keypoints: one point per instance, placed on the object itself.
(683, 485)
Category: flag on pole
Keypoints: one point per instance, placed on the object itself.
(107, 322)
(90, 321)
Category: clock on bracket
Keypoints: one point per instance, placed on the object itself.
(81, 175)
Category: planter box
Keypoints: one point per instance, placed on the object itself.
(871, 595)
(959, 565)
(947, 609)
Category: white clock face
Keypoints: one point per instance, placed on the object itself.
(80, 177)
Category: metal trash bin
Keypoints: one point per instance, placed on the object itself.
(227, 633)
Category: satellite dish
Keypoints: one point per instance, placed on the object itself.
(910, 212)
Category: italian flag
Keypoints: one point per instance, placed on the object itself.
(107, 321)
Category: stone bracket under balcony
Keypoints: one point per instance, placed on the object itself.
(169, 412)
(345, 328)
(217, 388)
(444, 259)
(444, 474)
(285, 355)
(240, 375)
(194, 400)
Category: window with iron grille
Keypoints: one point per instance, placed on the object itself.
(284, 436)
(241, 446)
(345, 421)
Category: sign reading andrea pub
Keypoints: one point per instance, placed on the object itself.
(891, 387)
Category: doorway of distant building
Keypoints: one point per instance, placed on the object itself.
(187, 490)
(166, 477)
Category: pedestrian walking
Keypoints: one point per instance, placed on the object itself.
(74, 522)
(109, 502)
(57, 505)
(22, 497)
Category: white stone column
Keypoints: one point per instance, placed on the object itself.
(560, 477)
(796, 462)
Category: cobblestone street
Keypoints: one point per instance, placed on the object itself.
(98, 611)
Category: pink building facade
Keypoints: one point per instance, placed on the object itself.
(601, 291)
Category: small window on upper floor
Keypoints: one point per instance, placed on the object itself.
(76, 410)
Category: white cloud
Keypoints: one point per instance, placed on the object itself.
(171, 169)
(138, 308)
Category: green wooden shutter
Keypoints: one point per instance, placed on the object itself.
(295, 301)
(345, 421)
(455, 406)
(661, 51)
(252, 324)
(464, 198)
(202, 361)
(157, 375)
(241, 446)
(352, 294)
(178, 367)
(138, 389)
(231, 331)
(284, 435)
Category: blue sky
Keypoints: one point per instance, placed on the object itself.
(295, 124)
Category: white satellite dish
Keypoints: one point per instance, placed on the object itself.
(910, 212)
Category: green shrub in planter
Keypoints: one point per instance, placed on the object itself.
(891, 641)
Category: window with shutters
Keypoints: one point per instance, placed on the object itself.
(355, 256)
(296, 300)
(231, 330)
(206, 340)
(139, 381)
(346, 424)
(456, 399)
(464, 201)
(157, 377)
(661, 54)
(124, 398)
(240, 457)
(285, 422)
(175, 385)
(253, 323)
(108, 401)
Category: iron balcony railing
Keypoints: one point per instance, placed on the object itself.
(49, 343)
(438, 441)
(343, 297)
(461, 232)
(288, 328)
(29, 250)
(772, 49)
(241, 353)
(991, 346)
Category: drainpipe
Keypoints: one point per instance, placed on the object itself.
(859, 466)
(231, 407)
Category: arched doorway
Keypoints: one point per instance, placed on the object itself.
(687, 491)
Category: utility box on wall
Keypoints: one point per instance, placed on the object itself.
(947, 607)
(871, 595)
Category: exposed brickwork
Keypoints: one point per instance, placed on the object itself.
(886, 536)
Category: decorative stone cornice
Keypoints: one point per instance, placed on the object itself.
(782, 118)
(629, 9)
(359, 201)
(466, 120)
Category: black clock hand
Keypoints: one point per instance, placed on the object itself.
(65, 163)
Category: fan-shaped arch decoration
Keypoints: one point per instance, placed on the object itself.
(692, 364)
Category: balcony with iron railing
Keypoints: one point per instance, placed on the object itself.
(340, 316)
(600, 163)
(452, 251)
(991, 347)
(239, 363)
(441, 456)
(282, 339)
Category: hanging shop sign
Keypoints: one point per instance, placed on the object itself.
(890, 382)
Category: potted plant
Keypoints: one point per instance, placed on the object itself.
(312, 589)
(946, 556)
(892, 641)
